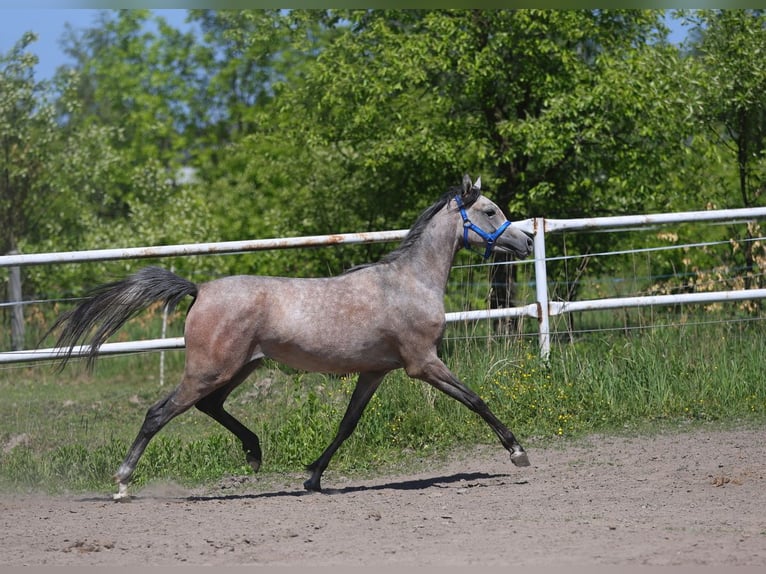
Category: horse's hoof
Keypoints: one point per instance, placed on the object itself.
(519, 458)
(122, 494)
(312, 486)
(255, 463)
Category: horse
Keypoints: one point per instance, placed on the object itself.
(371, 319)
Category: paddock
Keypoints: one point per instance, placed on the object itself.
(687, 496)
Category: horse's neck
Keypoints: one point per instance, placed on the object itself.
(430, 259)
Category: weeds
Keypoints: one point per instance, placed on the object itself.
(70, 431)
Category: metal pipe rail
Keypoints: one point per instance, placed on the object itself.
(200, 248)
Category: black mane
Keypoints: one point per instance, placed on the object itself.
(416, 231)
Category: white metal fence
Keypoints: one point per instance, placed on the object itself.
(543, 308)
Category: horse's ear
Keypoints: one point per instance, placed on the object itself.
(467, 185)
(471, 191)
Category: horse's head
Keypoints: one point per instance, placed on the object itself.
(485, 225)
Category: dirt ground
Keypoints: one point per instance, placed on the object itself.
(692, 498)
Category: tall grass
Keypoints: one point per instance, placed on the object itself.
(71, 430)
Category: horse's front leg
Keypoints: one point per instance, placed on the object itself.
(435, 373)
(366, 386)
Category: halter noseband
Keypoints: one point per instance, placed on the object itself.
(468, 225)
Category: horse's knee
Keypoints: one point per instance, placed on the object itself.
(154, 419)
(161, 412)
(427, 371)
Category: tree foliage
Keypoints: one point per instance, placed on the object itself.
(27, 136)
(258, 123)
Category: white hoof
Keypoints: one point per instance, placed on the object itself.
(122, 493)
(519, 458)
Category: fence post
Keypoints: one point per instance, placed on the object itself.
(541, 288)
(162, 336)
(164, 333)
(17, 309)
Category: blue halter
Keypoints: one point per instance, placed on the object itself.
(468, 225)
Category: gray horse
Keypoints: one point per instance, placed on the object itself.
(369, 320)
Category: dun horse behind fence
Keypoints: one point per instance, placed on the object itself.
(369, 320)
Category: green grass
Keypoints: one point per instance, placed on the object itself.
(71, 429)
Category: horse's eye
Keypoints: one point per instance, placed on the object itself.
(491, 213)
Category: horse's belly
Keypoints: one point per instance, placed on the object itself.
(334, 358)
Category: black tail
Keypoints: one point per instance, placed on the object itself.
(109, 306)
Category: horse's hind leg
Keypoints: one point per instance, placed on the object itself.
(192, 390)
(436, 373)
(158, 415)
(212, 405)
(366, 386)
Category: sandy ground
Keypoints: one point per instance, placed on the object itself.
(694, 498)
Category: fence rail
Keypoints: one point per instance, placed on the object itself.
(542, 309)
(220, 247)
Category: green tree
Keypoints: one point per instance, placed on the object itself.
(137, 72)
(262, 163)
(733, 92)
(42, 168)
(137, 81)
(47, 172)
(729, 51)
(27, 134)
(563, 113)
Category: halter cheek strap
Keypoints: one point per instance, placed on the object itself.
(468, 225)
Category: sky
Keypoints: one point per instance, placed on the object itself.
(49, 25)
